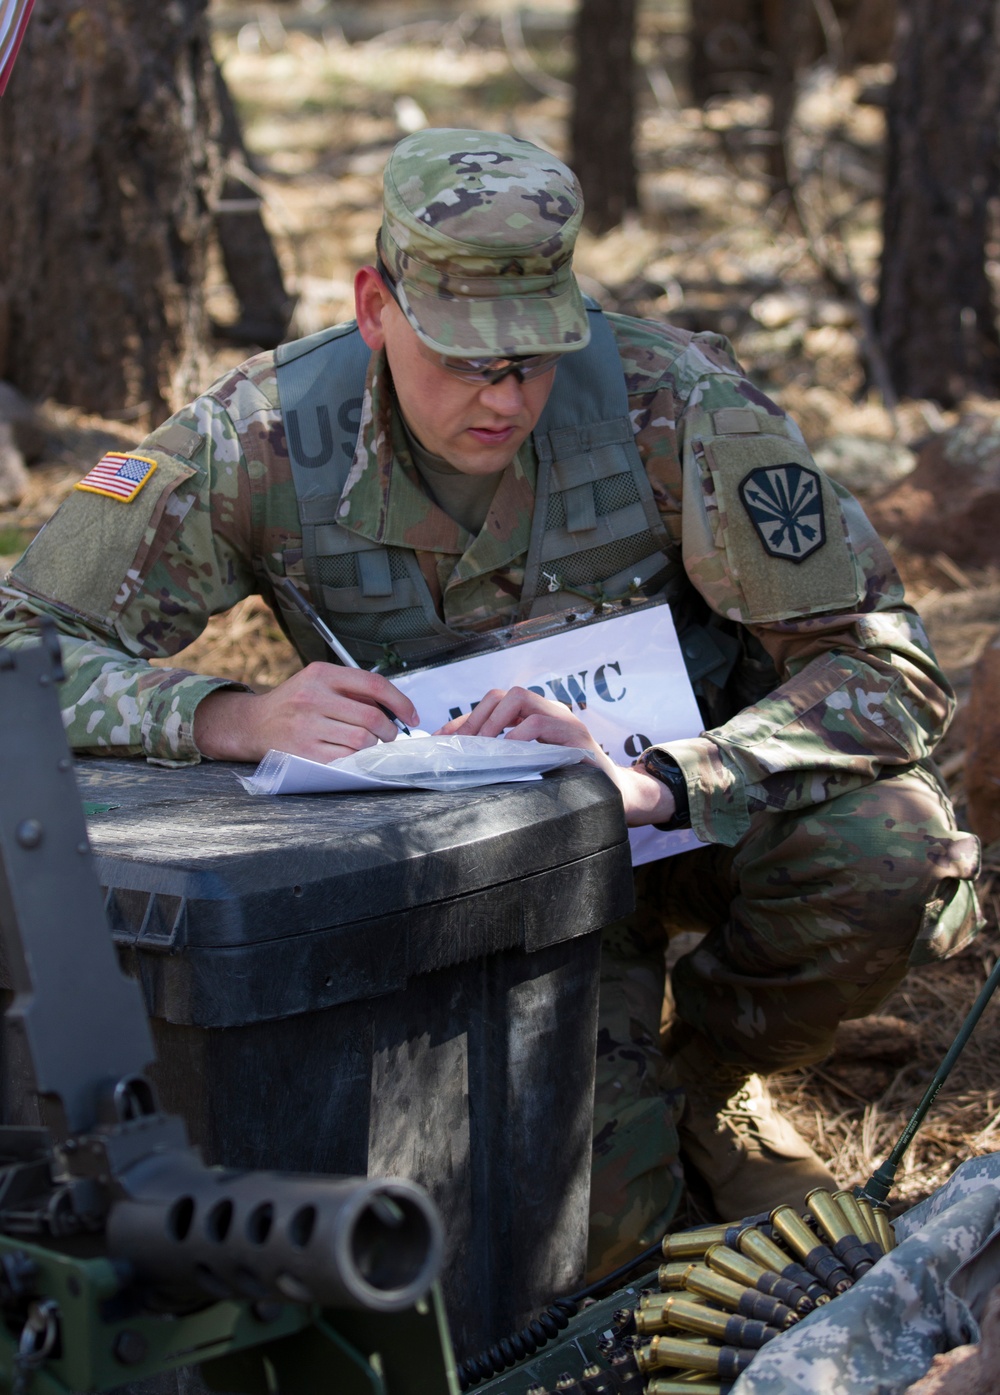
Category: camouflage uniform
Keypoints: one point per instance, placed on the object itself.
(833, 852)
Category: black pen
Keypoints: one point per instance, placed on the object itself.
(323, 630)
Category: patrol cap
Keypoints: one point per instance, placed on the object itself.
(477, 234)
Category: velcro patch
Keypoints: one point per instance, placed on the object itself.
(734, 421)
(118, 476)
(785, 505)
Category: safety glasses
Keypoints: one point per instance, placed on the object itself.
(478, 371)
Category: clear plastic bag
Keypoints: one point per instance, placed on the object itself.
(415, 762)
(458, 762)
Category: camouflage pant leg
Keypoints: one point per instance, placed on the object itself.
(830, 906)
(636, 1176)
(813, 917)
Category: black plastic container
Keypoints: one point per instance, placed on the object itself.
(401, 984)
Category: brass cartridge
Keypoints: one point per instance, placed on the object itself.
(692, 1244)
(766, 1252)
(845, 1242)
(671, 1276)
(726, 1328)
(655, 1300)
(594, 1381)
(861, 1222)
(742, 1270)
(817, 1257)
(738, 1298)
(679, 1385)
(883, 1225)
(670, 1353)
(649, 1321)
(868, 1211)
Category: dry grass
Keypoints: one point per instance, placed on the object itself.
(711, 249)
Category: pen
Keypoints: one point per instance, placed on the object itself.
(323, 630)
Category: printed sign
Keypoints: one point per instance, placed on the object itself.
(624, 677)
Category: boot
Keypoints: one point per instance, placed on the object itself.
(750, 1157)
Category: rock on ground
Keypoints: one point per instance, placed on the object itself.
(951, 501)
(13, 474)
(18, 412)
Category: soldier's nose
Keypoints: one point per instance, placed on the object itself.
(505, 397)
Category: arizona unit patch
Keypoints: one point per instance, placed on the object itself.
(785, 505)
(118, 476)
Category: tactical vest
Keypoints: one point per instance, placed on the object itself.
(595, 519)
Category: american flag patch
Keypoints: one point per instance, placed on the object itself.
(118, 476)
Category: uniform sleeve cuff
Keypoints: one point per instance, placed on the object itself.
(169, 737)
(716, 792)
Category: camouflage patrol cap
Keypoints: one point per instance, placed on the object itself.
(477, 233)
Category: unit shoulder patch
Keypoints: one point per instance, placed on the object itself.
(785, 504)
(118, 475)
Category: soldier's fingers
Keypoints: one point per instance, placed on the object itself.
(513, 708)
(310, 710)
(475, 722)
(457, 724)
(554, 730)
(366, 687)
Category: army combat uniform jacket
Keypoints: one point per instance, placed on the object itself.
(850, 686)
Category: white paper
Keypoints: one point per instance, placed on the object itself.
(624, 677)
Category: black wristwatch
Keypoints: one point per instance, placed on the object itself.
(665, 769)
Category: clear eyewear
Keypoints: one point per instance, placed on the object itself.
(479, 371)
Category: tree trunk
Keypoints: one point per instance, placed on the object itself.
(107, 138)
(725, 48)
(601, 127)
(734, 45)
(247, 251)
(936, 317)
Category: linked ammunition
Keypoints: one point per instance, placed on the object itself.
(627, 1373)
(677, 1385)
(861, 1223)
(742, 1270)
(845, 1243)
(886, 1234)
(649, 1321)
(671, 1276)
(868, 1211)
(670, 1353)
(738, 1298)
(568, 1385)
(726, 1328)
(766, 1252)
(623, 1321)
(594, 1381)
(656, 1300)
(819, 1259)
(692, 1244)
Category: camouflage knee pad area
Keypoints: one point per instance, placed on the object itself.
(812, 918)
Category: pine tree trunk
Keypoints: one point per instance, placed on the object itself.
(734, 43)
(107, 135)
(936, 316)
(601, 127)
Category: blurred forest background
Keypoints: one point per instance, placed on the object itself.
(187, 182)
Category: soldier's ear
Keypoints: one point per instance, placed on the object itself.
(370, 300)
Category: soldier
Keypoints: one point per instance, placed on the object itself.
(480, 441)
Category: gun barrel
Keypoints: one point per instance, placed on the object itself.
(335, 1242)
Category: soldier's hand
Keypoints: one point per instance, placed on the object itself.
(323, 712)
(525, 716)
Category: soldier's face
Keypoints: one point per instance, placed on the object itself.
(476, 428)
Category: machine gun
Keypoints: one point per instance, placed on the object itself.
(122, 1255)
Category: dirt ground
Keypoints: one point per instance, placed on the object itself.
(326, 91)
